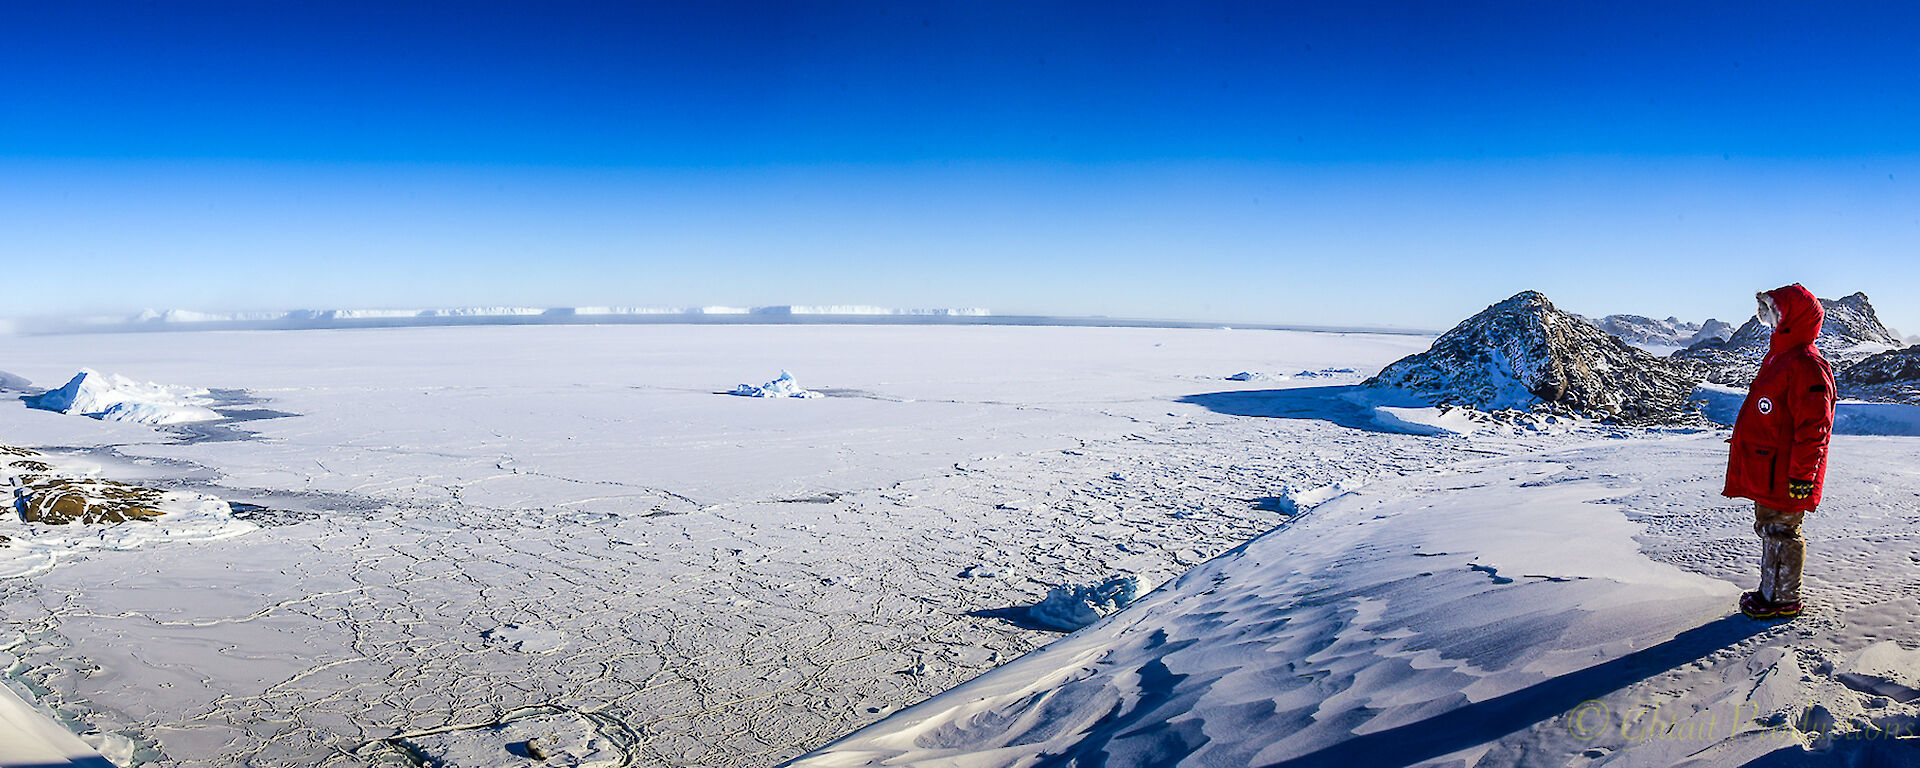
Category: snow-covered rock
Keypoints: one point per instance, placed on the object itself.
(784, 386)
(1890, 376)
(1671, 332)
(1071, 606)
(113, 397)
(1523, 353)
(1852, 332)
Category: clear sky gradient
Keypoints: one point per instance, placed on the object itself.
(1331, 163)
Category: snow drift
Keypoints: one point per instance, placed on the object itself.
(1413, 623)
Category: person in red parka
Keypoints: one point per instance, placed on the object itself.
(1779, 455)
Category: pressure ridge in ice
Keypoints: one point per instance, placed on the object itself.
(112, 397)
(783, 386)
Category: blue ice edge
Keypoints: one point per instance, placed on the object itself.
(1850, 417)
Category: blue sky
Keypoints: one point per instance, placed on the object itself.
(1337, 163)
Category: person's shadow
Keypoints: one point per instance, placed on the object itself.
(1337, 404)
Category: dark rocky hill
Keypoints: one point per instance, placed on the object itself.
(1524, 353)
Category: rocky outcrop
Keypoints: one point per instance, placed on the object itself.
(1851, 333)
(1523, 353)
(1891, 376)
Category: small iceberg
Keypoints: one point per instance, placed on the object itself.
(1071, 606)
(784, 386)
(112, 397)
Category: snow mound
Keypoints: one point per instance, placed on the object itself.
(524, 638)
(1070, 606)
(784, 386)
(1293, 500)
(1883, 669)
(547, 739)
(1524, 354)
(112, 397)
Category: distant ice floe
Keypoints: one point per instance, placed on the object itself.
(1071, 606)
(112, 397)
(784, 386)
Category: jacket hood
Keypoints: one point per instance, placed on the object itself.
(1800, 317)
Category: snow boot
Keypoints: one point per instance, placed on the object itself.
(1753, 606)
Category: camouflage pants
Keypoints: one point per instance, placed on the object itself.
(1782, 552)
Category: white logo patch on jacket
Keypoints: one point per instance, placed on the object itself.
(1765, 406)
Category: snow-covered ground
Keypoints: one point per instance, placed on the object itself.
(1570, 605)
(462, 523)
(478, 543)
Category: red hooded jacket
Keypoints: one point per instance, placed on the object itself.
(1782, 430)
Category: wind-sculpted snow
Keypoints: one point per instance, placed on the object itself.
(1570, 607)
(1522, 353)
(1851, 333)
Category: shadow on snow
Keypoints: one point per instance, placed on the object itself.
(1334, 404)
